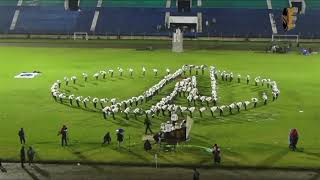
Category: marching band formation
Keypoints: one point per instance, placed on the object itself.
(184, 88)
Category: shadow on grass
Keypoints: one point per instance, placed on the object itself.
(278, 154)
(163, 156)
(237, 118)
(41, 171)
(199, 140)
(132, 151)
(122, 121)
(80, 85)
(2, 169)
(84, 158)
(75, 88)
(81, 108)
(122, 149)
(308, 153)
(93, 83)
(45, 142)
(315, 177)
(235, 154)
(32, 175)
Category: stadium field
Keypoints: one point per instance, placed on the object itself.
(257, 137)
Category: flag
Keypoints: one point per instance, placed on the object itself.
(289, 18)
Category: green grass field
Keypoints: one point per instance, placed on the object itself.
(258, 137)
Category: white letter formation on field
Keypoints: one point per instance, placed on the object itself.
(186, 87)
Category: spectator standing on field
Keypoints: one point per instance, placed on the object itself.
(21, 135)
(2, 169)
(147, 123)
(147, 145)
(120, 137)
(293, 139)
(196, 174)
(22, 156)
(106, 138)
(216, 154)
(30, 154)
(64, 135)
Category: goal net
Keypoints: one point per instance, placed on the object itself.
(285, 38)
(80, 35)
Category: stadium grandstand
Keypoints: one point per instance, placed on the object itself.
(208, 18)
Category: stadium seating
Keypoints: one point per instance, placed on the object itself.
(313, 4)
(130, 21)
(227, 18)
(52, 20)
(237, 22)
(43, 3)
(136, 3)
(6, 15)
(245, 4)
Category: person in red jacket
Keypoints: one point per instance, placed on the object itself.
(293, 139)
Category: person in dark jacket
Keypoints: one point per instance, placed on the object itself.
(21, 135)
(196, 174)
(147, 123)
(64, 135)
(2, 169)
(30, 154)
(156, 138)
(147, 145)
(106, 138)
(22, 156)
(119, 138)
(216, 154)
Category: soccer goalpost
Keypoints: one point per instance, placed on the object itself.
(285, 38)
(80, 35)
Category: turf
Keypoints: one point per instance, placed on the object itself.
(257, 137)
